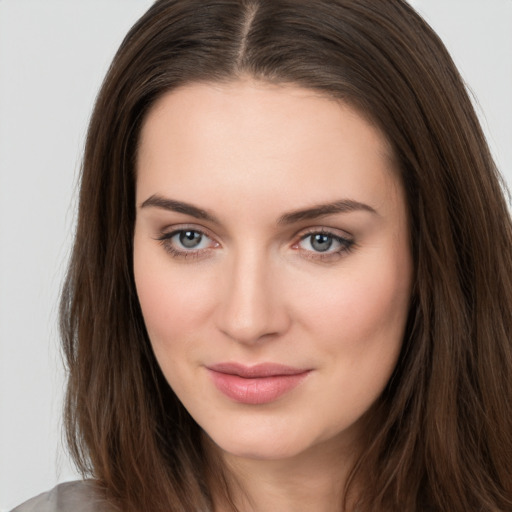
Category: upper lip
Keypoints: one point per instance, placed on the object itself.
(256, 371)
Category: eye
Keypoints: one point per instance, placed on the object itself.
(324, 244)
(186, 242)
(189, 239)
(319, 242)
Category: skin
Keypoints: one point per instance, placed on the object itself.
(256, 289)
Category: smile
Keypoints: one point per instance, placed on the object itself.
(255, 385)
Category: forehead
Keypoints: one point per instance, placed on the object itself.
(253, 139)
(249, 105)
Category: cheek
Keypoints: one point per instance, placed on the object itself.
(174, 303)
(357, 305)
(358, 327)
(358, 317)
(174, 307)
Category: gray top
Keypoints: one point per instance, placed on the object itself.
(79, 496)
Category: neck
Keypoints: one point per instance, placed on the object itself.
(312, 480)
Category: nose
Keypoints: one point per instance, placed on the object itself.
(252, 305)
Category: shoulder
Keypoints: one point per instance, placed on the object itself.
(79, 496)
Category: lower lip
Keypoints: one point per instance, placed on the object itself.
(255, 391)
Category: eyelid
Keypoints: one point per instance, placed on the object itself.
(325, 229)
(173, 229)
(167, 234)
(345, 239)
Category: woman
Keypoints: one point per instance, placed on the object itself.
(290, 287)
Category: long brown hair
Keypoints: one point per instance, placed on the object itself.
(441, 438)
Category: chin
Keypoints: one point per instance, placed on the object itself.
(265, 440)
(258, 449)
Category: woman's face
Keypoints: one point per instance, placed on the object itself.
(272, 262)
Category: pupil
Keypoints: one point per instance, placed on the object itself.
(321, 243)
(190, 239)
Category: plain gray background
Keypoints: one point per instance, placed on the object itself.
(53, 55)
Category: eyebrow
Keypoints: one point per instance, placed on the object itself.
(172, 205)
(321, 210)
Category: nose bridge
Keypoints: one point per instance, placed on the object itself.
(251, 306)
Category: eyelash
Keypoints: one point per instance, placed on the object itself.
(166, 241)
(346, 244)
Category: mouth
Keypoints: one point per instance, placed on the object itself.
(258, 384)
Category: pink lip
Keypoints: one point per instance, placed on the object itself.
(259, 384)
